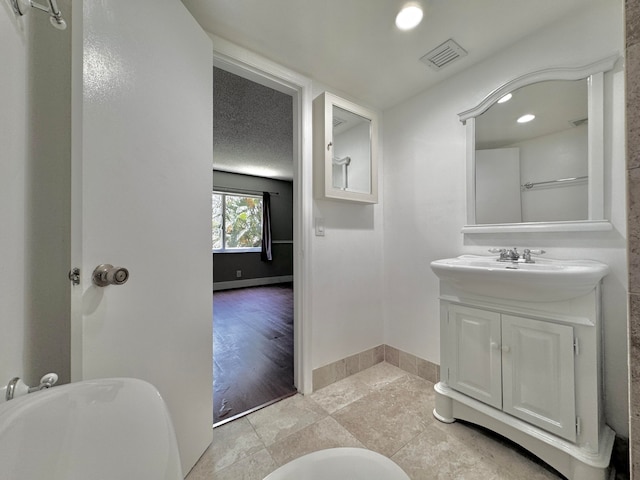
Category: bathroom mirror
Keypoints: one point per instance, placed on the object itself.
(351, 158)
(345, 150)
(535, 153)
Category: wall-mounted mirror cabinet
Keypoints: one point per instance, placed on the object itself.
(345, 149)
(535, 153)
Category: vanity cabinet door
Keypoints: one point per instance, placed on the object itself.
(475, 369)
(538, 374)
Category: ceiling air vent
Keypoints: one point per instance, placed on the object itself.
(443, 55)
(337, 121)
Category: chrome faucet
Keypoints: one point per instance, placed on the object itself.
(506, 255)
(512, 254)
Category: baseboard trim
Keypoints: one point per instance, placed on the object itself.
(345, 367)
(251, 282)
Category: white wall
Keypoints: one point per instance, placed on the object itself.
(347, 274)
(34, 196)
(13, 138)
(425, 192)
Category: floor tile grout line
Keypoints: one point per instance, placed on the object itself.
(408, 442)
(255, 431)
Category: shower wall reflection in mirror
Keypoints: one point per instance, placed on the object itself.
(351, 162)
(534, 169)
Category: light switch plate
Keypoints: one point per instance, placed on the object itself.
(319, 227)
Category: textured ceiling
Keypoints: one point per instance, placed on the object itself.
(252, 128)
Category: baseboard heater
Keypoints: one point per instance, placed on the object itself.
(251, 282)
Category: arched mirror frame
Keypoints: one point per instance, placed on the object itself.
(594, 73)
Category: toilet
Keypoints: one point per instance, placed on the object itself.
(119, 428)
(102, 429)
(340, 463)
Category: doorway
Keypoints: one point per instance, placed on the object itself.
(253, 300)
(247, 64)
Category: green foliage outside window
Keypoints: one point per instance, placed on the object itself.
(216, 226)
(240, 218)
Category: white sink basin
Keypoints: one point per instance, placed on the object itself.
(547, 280)
(93, 430)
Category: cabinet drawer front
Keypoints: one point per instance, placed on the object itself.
(475, 360)
(538, 374)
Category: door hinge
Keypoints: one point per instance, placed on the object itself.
(447, 373)
(578, 426)
(576, 346)
(74, 276)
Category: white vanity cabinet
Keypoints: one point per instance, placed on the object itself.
(520, 365)
(530, 371)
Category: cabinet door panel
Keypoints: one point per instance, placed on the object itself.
(345, 150)
(538, 374)
(475, 360)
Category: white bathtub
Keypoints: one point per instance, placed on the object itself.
(340, 463)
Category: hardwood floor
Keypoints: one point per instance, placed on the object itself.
(252, 348)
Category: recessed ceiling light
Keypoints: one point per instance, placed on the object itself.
(506, 98)
(526, 118)
(409, 17)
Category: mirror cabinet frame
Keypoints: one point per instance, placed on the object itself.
(594, 73)
(323, 151)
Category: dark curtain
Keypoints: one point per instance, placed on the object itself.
(265, 254)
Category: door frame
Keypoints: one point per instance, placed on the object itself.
(239, 61)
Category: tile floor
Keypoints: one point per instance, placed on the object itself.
(384, 409)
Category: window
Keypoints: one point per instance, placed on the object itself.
(236, 222)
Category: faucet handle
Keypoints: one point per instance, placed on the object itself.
(504, 253)
(528, 252)
(47, 381)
